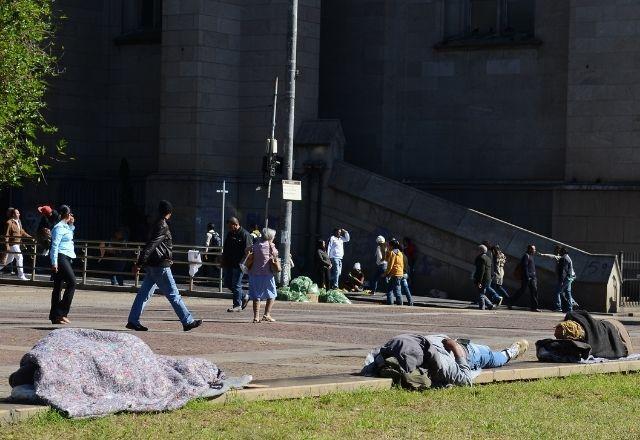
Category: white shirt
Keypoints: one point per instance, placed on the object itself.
(336, 245)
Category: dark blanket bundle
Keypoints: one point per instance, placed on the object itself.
(86, 373)
(604, 338)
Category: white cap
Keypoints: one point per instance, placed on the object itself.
(357, 266)
(380, 239)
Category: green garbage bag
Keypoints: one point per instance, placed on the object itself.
(298, 297)
(286, 294)
(334, 296)
(313, 290)
(301, 284)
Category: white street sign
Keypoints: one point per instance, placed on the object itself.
(291, 190)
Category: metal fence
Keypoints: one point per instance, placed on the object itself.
(630, 293)
(97, 260)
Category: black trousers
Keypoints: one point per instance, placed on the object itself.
(60, 306)
(532, 285)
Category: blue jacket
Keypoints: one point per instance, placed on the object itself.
(62, 242)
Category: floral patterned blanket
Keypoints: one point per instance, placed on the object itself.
(88, 373)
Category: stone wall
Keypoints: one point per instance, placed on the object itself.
(603, 101)
(600, 211)
(219, 63)
(410, 111)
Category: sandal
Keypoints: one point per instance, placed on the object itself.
(268, 318)
(255, 320)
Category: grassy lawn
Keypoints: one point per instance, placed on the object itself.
(594, 407)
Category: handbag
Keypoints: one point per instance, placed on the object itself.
(274, 262)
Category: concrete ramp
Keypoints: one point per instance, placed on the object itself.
(446, 235)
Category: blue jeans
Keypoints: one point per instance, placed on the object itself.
(163, 278)
(499, 290)
(483, 300)
(233, 281)
(336, 270)
(490, 293)
(395, 288)
(481, 356)
(380, 269)
(563, 295)
(404, 284)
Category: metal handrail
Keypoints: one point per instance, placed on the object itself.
(130, 252)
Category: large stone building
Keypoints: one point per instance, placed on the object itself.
(526, 110)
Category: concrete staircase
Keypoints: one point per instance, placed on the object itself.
(447, 235)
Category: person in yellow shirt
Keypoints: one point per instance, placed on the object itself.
(395, 272)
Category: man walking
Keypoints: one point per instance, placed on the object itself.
(529, 279)
(482, 277)
(236, 243)
(13, 235)
(156, 258)
(566, 276)
(335, 250)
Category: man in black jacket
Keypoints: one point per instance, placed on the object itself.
(482, 277)
(236, 243)
(156, 258)
(529, 279)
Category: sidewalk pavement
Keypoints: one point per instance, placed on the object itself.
(308, 340)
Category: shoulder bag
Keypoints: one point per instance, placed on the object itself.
(274, 262)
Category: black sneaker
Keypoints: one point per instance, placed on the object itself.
(193, 324)
(136, 327)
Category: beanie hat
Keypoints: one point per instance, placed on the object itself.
(380, 239)
(46, 210)
(165, 207)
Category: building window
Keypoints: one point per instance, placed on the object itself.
(140, 16)
(141, 22)
(488, 18)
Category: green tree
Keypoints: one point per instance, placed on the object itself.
(27, 61)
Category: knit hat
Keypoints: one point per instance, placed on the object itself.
(46, 210)
(380, 239)
(570, 330)
(165, 207)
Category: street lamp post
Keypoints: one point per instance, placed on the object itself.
(288, 162)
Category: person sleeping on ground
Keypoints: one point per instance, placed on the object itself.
(581, 336)
(421, 361)
(93, 373)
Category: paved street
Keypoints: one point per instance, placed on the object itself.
(307, 340)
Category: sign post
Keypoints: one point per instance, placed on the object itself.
(224, 193)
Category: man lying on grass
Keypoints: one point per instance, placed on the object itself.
(422, 361)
